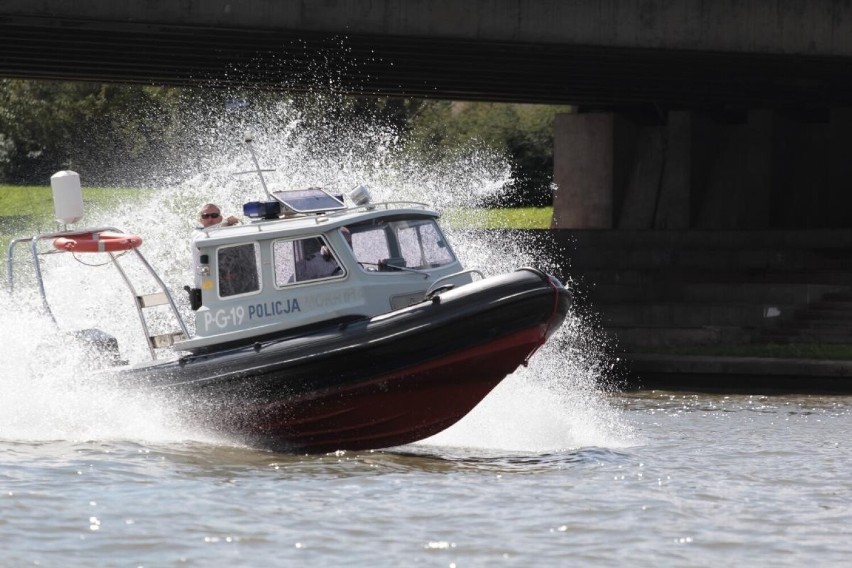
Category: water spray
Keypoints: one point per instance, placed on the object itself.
(248, 138)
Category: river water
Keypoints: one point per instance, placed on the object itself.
(552, 469)
(694, 480)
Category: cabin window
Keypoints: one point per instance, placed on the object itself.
(414, 243)
(238, 270)
(303, 260)
(370, 245)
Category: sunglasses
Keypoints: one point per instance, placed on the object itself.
(210, 215)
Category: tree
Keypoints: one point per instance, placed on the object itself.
(49, 126)
(521, 133)
(112, 134)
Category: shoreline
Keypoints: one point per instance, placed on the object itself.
(741, 375)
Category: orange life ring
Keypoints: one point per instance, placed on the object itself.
(105, 241)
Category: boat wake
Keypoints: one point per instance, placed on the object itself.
(553, 405)
(49, 391)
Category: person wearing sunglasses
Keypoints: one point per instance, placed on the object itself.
(211, 215)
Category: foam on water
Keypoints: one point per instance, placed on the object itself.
(556, 403)
(50, 393)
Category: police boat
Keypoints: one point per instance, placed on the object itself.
(317, 325)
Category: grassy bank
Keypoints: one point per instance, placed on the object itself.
(26, 207)
(25, 210)
(33, 205)
(520, 218)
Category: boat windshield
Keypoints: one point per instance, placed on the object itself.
(407, 243)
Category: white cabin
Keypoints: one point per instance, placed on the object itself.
(272, 275)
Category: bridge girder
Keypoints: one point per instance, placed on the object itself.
(42, 47)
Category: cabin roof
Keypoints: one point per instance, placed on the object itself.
(310, 224)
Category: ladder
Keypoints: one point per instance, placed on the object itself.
(142, 301)
(145, 301)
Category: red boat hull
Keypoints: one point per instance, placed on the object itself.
(394, 409)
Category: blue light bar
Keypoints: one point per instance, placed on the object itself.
(262, 209)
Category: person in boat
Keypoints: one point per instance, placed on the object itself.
(319, 263)
(211, 215)
(347, 234)
(330, 267)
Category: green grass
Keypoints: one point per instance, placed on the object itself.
(29, 207)
(25, 210)
(37, 201)
(518, 218)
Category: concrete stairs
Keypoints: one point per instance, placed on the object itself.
(655, 290)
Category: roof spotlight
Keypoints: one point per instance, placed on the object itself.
(360, 195)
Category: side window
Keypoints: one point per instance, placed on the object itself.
(302, 260)
(237, 266)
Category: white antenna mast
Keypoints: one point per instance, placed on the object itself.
(249, 138)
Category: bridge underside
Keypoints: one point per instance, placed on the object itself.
(67, 49)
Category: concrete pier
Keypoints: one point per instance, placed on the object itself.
(750, 375)
(747, 170)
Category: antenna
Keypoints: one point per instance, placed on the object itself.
(249, 138)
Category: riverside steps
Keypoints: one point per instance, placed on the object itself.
(666, 298)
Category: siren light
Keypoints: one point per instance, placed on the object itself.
(262, 209)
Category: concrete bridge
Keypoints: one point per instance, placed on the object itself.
(686, 54)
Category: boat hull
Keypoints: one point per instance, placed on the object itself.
(371, 383)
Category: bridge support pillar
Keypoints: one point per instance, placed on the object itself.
(676, 200)
(607, 169)
(758, 170)
(585, 174)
